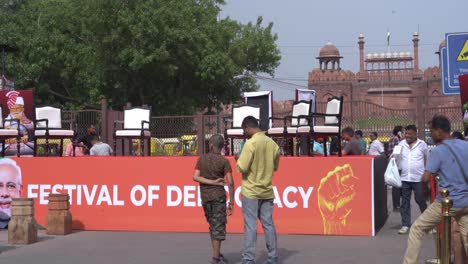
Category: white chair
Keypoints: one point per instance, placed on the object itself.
(136, 125)
(9, 133)
(48, 125)
(331, 127)
(239, 112)
(300, 113)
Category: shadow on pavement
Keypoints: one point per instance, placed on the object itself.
(6, 248)
(233, 257)
(283, 254)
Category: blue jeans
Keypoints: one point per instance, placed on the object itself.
(254, 209)
(405, 211)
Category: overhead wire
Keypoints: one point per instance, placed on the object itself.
(353, 46)
(277, 82)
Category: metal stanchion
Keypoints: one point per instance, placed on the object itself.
(434, 190)
(447, 204)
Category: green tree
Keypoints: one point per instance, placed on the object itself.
(175, 56)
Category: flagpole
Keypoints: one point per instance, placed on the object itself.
(381, 93)
(388, 52)
(388, 67)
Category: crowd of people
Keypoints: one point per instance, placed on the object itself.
(260, 155)
(411, 161)
(448, 161)
(259, 159)
(88, 144)
(416, 164)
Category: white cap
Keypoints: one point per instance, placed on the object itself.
(19, 101)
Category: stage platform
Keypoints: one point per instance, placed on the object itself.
(313, 195)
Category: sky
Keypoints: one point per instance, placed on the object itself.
(303, 26)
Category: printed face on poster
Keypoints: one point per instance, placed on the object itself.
(18, 105)
(10, 187)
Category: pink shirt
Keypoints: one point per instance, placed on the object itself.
(69, 151)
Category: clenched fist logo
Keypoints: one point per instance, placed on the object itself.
(335, 193)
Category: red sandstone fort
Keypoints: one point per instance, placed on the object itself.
(395, 76)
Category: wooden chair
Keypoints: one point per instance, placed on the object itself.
(331, 127)
(136, 125)
(288, 133)
(239, 112)
(48, 125)
(9, 133)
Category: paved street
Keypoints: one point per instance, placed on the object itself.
(138, 247)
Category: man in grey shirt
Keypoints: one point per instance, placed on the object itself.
(352, 146)
(99, 148)
(448, 160)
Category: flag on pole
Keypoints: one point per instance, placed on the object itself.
(388, 38)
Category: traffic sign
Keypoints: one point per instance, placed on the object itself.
(457, 58)
(445, 76)
(463, 56)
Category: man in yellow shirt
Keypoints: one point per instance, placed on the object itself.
(257, 162)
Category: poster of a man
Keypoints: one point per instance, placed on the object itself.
(10, 187)
(18, 105)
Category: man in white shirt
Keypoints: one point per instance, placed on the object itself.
(411, 161)
(376, 147)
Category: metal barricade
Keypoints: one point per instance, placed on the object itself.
(447, 204)
(434, 191)
(443, 234)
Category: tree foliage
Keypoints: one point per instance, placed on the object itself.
(176, 56)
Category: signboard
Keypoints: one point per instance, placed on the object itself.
(265, 100)
(159, 194)
(307, 95)
(457, 57)
(18, 105)
(445, 76)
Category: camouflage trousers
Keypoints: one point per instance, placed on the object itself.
(215, 213)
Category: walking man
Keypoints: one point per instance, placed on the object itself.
(394, 141)
(411, 162)
(448, 160)
(257, 162)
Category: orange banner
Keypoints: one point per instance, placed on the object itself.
(312, 195)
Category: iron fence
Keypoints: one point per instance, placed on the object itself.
(82, 119)
(174, 135)
(453, 113)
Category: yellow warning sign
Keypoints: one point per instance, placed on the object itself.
(463, 56)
